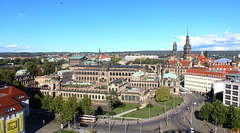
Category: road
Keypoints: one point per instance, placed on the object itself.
(151, 125)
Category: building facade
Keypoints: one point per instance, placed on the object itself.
(231, 91)
(14, 107)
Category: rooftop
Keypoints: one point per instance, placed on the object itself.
(76, 57)
(139, 73)
(170, 75)
(222, 60)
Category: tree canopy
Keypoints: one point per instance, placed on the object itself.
(85, 105)
(162, 94)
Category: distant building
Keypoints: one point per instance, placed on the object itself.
(231, 91)
(134, 57)
(14, 107)
(25, 78)
(77, 60)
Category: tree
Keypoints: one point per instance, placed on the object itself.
(47, 102)
(113, 99)
(206, 111)
(35, 102)
(85, 105)
(69, 109)
(8, 76)
(167, 71)
(233, 117)
(48, 67)
(162, 94)
(28, 65)
(219, 112)
(149, 105)
(57, 104)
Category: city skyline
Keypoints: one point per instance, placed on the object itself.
(86, 26)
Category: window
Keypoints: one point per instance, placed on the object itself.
(92, 96)
(126, 97)
(163, 83)
(228, 97)
(133, 98)
(130, 98)
(116, 89)
(234, 104)
(169, 83)
(235, 87)
(81, 95)
(98, 97)
(228, 86)
(227, 102)
(235, 93)
(174, 83)
(234, 98)
(228, 92)
(122, 97)
(137, 98)
(102, 97)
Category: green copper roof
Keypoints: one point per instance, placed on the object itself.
(139, 73)
(21, 71)
(170, 75)
(76, 57)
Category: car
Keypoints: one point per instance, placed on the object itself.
(191, 130)
(194, 103)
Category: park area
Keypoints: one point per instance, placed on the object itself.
(144, 112)
(128, 106)
(172, 102)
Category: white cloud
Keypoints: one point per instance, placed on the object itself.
(14, 48)
(225, 41)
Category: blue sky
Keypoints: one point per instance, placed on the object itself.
(117, 25)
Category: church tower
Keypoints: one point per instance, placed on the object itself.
(187, 49)
(174, 51)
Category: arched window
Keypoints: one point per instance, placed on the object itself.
(169, 83)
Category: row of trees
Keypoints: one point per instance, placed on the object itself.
(227, 116)
(66, 108)
(146, 61)
(34, 65)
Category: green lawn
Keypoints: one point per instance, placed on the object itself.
(65, 131)
(177, 100)
(144, 112)
(128, 106)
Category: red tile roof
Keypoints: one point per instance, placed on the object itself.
(104, 56)
(10, 97)
(185, 63)
(205, 72)
(8, 102)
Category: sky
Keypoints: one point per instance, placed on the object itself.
(117, 25)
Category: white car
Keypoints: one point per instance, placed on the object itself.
(191, 130)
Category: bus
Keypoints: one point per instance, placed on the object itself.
(87, 118)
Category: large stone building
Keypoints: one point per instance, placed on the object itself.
(175, 64)
(25, 78)
(171, 80)
(104, 73)
(77, 60)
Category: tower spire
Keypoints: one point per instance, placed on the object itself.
(187, 30)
